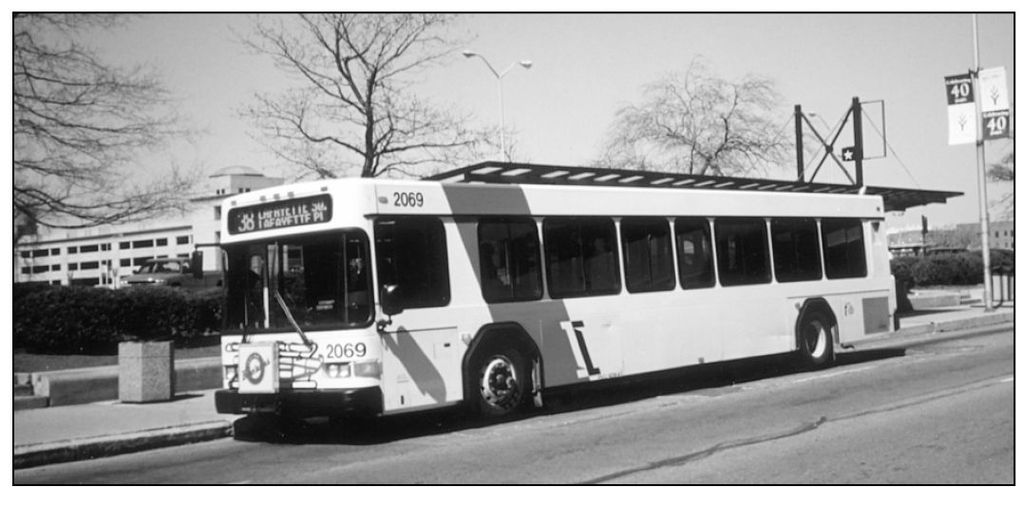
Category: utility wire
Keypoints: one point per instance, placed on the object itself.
(890, 147)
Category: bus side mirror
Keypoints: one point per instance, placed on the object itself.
(389, 300)
(196, 264)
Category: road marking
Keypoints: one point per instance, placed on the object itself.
(832, 374)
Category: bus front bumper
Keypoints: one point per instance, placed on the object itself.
(360, 401)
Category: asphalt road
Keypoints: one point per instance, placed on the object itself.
(941, 412)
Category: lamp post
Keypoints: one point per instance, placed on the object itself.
(527, 64)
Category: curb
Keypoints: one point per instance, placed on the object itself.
(934, 328)
(42, 454)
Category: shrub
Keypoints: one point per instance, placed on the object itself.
(85, 320)
(952, 269)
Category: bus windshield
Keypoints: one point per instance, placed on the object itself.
(322, 279)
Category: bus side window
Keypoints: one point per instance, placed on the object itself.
(509, 260)
(742, 251)
(694, 253)
(796, 249)
(581, 257)
(648, 260)
(411, 252)
(843, 248)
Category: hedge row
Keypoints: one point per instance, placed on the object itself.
(85, 320)
(950, 269)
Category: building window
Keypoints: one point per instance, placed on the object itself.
(40, 253)
(161, 241)
(411, 252)
(648, 258)
(216, 212)
(140, 260)
(89, 265)
(147, 243)
(36, 269)
(72, 250)
(509, 260)
(581, 257)
(72, 266)
(125, 262)
(55, 268)
(105, 246)
(89, 248)
(742, 251)
(26, 270)
(55, 251)
(843, 248)
(183, 239)
(26, 254)
(124, 245)
(796, 249)
(694, 253)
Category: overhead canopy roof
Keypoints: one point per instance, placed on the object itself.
(894, 199)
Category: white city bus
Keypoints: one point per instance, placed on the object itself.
(494, 283)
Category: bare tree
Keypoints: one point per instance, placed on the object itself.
(698, 123)
(353, 110)
(1003, 172)
(78, 123)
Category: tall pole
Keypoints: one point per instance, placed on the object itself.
(527, 64)
(980, 155)
(499, 89)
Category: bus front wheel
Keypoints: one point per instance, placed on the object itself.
(815, 340)
(502, 382)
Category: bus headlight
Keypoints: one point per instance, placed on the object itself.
(338, 370)
(369, 369)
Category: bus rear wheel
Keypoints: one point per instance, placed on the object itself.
(815, 340)
(502, 382)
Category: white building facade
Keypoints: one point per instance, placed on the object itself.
(101, 256)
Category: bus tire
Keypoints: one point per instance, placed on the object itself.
(815, 340)
(501, 382)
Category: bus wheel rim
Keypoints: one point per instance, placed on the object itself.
(499, 383)
(817, 339)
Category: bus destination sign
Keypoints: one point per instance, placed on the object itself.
(273, 215)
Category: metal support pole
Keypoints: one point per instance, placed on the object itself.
(980, 156)
(503, 146)
(858, 151)
(799, 144)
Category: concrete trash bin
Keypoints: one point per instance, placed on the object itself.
(145, 371)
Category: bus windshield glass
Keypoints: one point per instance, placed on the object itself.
(323, 280)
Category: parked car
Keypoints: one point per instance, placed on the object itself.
(175, 272)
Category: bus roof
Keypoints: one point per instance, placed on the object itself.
(894, 199)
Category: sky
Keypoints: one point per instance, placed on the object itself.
(586, 66)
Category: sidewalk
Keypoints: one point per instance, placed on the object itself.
(83, 431)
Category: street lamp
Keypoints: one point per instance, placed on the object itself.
(527, 64)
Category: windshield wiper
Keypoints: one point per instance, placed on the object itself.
(301, 333)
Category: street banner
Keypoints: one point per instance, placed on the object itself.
(961, 123)
(993, 88)
(961, 127)
(995, 103)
